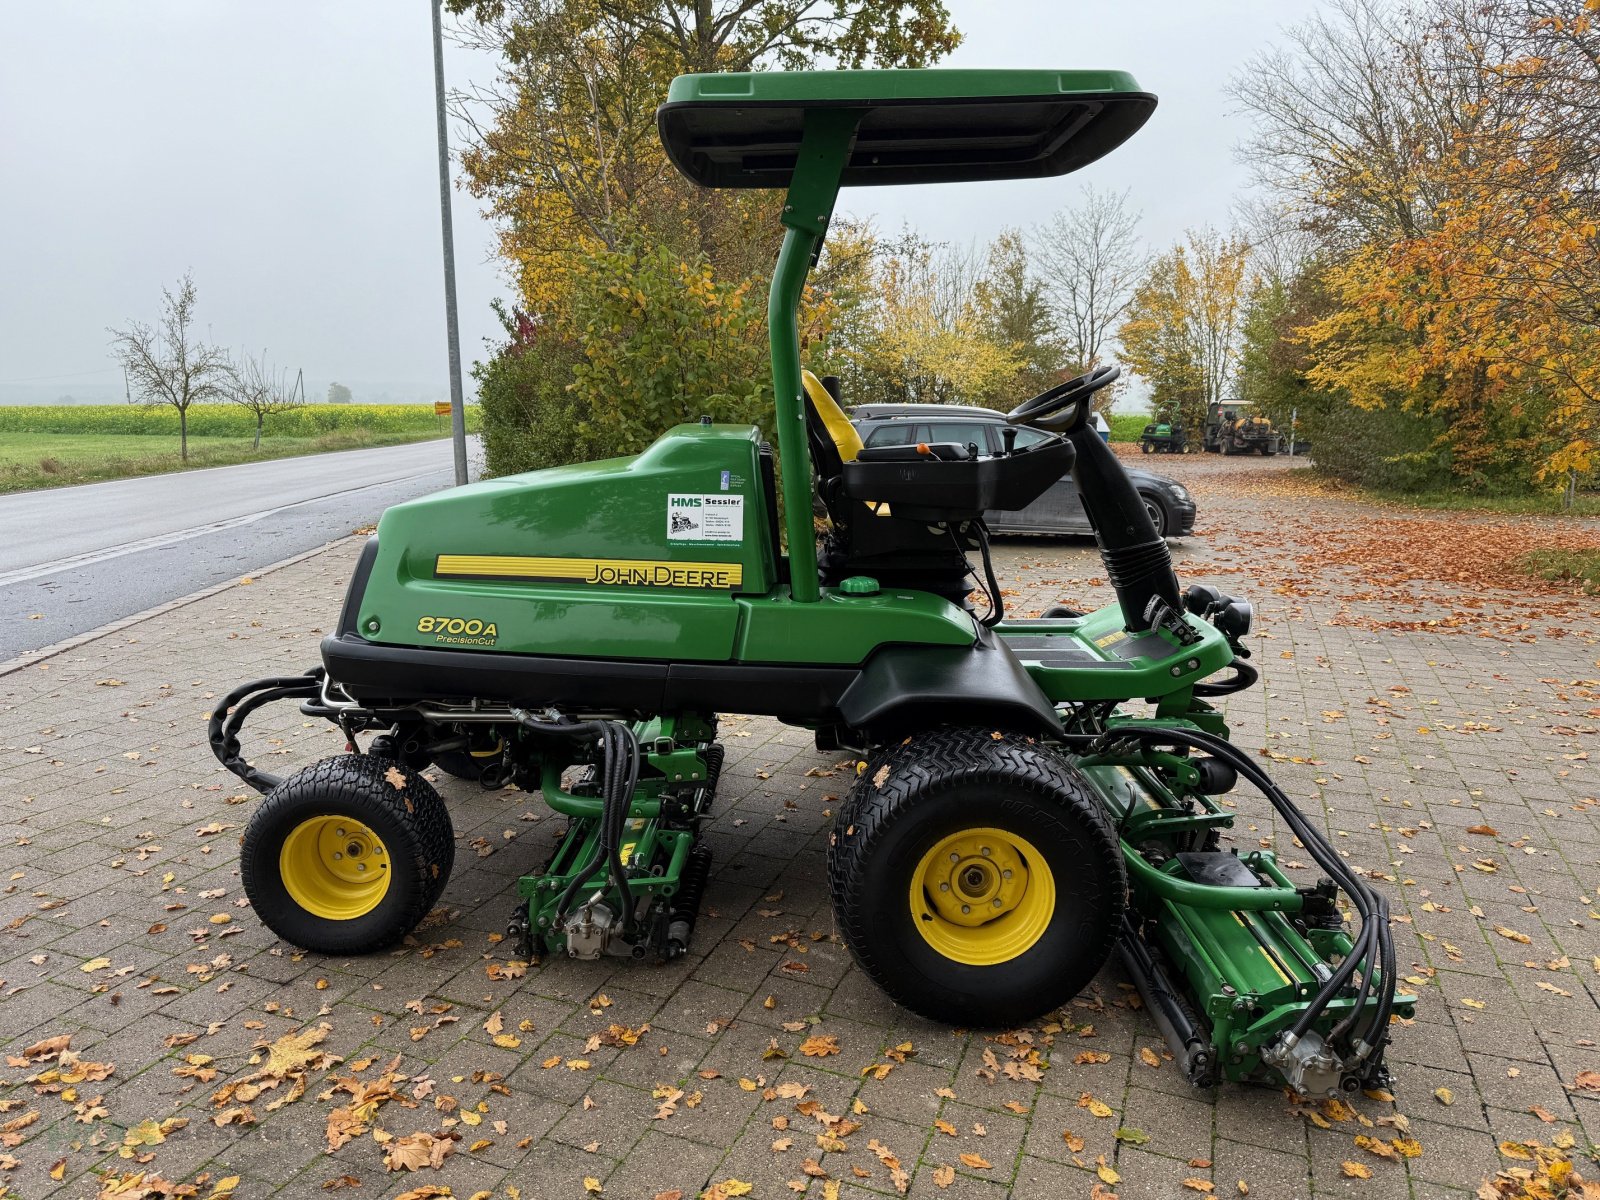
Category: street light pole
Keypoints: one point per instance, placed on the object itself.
(458, 415)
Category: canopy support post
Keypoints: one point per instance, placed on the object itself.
(825, 147)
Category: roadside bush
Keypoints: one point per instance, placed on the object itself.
(657, 342)
(530, 417)
(664, 341)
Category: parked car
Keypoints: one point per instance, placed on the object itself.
(1058, 511)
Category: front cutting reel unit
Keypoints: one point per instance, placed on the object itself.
(1032, 795)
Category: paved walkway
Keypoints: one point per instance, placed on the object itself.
(1438, 715)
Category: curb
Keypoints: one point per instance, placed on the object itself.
(11, 666)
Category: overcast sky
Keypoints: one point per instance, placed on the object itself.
(284, 152)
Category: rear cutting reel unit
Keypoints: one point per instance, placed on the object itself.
(625, 879)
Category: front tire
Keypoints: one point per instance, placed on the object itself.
(1158, 513)
(976, 878)
(346, 856)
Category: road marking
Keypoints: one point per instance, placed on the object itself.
(24, 574)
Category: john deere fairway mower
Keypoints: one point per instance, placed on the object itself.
(575, 631)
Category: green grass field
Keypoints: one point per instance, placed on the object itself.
(1126, 427)
(56, 445)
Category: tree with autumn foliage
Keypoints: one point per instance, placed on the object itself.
(1446, 166)
(912, 321)
(1181, 335)
(564, 151)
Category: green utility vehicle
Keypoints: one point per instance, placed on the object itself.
(1164, 437)
(1013, 821)
(1233, 428)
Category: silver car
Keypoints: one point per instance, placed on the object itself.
(1059, 510)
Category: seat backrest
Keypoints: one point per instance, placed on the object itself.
(834, 441)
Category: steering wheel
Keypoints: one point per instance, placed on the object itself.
(1066, 405)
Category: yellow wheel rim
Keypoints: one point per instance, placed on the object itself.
(982, 896)
(334, 867)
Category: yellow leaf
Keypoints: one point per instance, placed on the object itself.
(1355, 1170)
(95, 964)
(1149, 1057)
(1514, 1150)
(976, 1161)
(1107, 1174)
(591, 1185)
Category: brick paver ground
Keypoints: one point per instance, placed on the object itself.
(123, 924)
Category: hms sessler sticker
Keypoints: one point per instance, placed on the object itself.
(705, 517)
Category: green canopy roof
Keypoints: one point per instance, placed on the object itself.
(917, 126)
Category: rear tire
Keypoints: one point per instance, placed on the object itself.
(308, 847)
(961, 792)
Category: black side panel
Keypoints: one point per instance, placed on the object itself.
(383, 675)
(918, 685)
(374, 673)
(793, 693)
(358, 587)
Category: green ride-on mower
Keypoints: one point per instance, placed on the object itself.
(1031, 796)
(1164, 437)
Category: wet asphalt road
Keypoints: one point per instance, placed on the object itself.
(73, 559)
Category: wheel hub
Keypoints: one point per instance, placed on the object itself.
(334, 867)
(982, 896)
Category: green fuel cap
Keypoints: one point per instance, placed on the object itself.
(859, 585)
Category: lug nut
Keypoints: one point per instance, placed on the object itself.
(965, 909)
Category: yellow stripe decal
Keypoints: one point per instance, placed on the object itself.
(1271, 962)
(623, 572)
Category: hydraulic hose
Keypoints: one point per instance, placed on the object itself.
(997, 604)
(619, 776)
(222, 732)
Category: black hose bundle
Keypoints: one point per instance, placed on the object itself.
(223, 729)
(618, 770)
